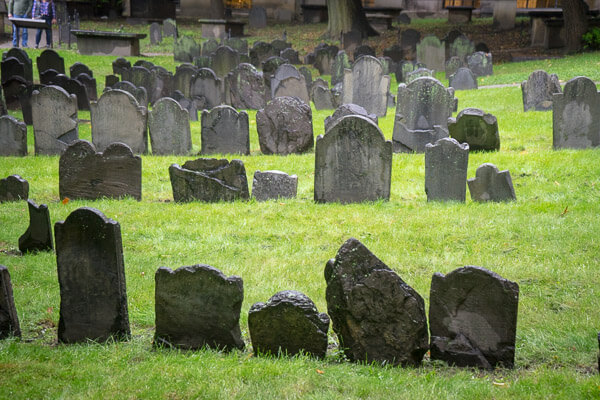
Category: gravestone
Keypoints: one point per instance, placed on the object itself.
(79, 68)
(89, 84)
(9, 319)
(482, 47)
(490, 184)
(307, 77)
(452, 65)
(538, 90)
(290, 56)
(163, 83)
(257, 17)
(38, 236)
(324, 56)
(274, 185)
(322, 98)
(13, 188)
(292, 86)
(288, 323)
(118, 117)
(245, 88)
(49, 59)
(182, 80)
(198, 306)
(418, 73)
(280, 44)
(13, 137)
(12, 67)
(139, 93)
(463, 79)
(375, 314)
(403, 68)
(169, 27)
(446, 164)
(432, 53)
(480, 63)
(363, 50)
(269, 67)
(169, 128)
(73, 87)
(478, 129)
(473, 318)
(224, 60)
(260, 51)
(351, 40)
(110, 80)
(409, 38)
(202, 62)
(366, 85)
(209, 47)
(14, 89)
(54, 114)
(209, 180)
(462, 48)
(91, 275)
(237, 44)
(348, 109)
(48, 76)
(207, 85)
(121, 66)
(341, 62)
(155, 33)
(353, 162)
(185, 49)
(23, 57)
(142, 77)
(225, 130)
(191, 105)
(285, 126)
(404, 19)
(144, 63)
(395, 53)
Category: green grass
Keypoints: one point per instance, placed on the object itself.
(547, 241)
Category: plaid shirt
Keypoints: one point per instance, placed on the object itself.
(42, 9)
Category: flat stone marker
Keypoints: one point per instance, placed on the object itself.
(481, 63)
(54, 114)
(490, 184)
(538, 90)
(9, 319)
(91, 275)
(245, 88)
(225, 131)
(463, 79)
(273, 185)
(155, 33)
(198, 306)
(473, 318)
(353, 162)
(209, 180)
(288, 324)
(38, 236)
(478, 129)
(446, 164)
(257, 17)
(375, 314)
(13, 137)
(169, 127)
(50, 59)
(348, 109)
(367, 86)
(13, 188)
(432, 53)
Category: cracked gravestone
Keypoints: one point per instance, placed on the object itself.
(275, 185)
(225, 130)
(54, 114)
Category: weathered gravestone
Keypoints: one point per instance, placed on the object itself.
(169, 128)
(289, 324)
(322, 98)
(409, 38)
(73, 87)
(505, 12)
(110, 80)
(257, 17)
(144, 63)
(185, 49)
(191, 105)
(375, 314)
(169, 27)
(117, 117)
(307, 77)
(269, 67)
(163, 83)
(348, 109)
(198, 306)
(89, 84)
(366, 85)
(16, 91)
(245, 88)
(79, 68)
(394, 52)
(209, 47)
(182, 80)
(463, 79)
(237, 44)
(280, 44)
(403, 68)
(269, 185)
(432, 53)
(351, 40)
(121, 66)
(290, 56)
(38, 236)
(142, 77)
(538, 90)
(54, 114)
(224, 60)
(91, 275)
(473, 318)
(418, 73)
(205, 84)
(478, 129)
(139, 93)
(260, 51)
(13, 188)
(12, 67)
(353, 162)
(490, 184)
(481, 63)
(23, 57)
(341, 62)
(461, 47)
(9, 319)
(285, 126)
(225, 130)
(13, 136)
(50, 59)
(291, 85)
(576, 115)
(324, 55)
(446, 164)
(155, 33)
(209, 180)
(452, 65)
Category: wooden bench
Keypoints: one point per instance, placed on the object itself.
(108, 43)
(221, 28)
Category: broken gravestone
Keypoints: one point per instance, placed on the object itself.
(13, 137)
(478, 129)
(538, 90)
(225, 131)
(38, 236)
(490, 184)
(274, 185)
(169, 127)
(9, 319)
(13, 188)
(446, 164)
(54, 113)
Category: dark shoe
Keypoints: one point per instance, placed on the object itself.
(37, 47)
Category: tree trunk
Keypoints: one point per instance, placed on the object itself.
(576, 23)
(346, 16)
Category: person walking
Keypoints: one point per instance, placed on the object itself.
(19, 9)
(44, 9)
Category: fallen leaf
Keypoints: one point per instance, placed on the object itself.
(320, 372)
(499, 383)
(49, 310)
(65, 200)
(556, 183)
(565, 211)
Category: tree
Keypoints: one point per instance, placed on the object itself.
(576, 23)
(346, 16)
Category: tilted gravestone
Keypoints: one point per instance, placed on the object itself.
(169, 27)
(576, 115)
(431, 52)
(13, 136)
(73, 87)
(54, 114)
(79, 68)
(245, 88)
(225, 130)
(155, 33)
(353, 162)
(478, 129)
(50, 59)
(182, 80)
(91, 276)
(185, 49)
(139, 93)
(375, 314)
(9, 319)
(446, 164)
(257, 17)
(198, 306)
(209, 180)
(490, 184)
(275, 185)
(207, 85)
(480, 63)
(473, 318)
(38, 236)
(341, 62)
(23, 57)
(366, 85)
(13, 188)
(463, 79)
(117, 117)
(289, 324)
(348, 109)
(285, 126)
(169, 128)
(224, 60)
(538, 90)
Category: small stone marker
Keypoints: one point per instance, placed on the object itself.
(225, 130)
(54, 114)
(481, 63)
(155, 33)
(367, 86)
(473, 318)
(375, 314)
(13, 137)
(432, 53)
(538, 90)
(273, 185)
(463, 79)
(348, 109)
(91, 275)
(38, 236)
(198, 306)
(257, 17)
(13, 188)
(170, 28)
(169, 127)
(490, 184)
(288, 324)
(245, 88)
(209, 180)
(9, 319)
(446, 164)
(50, 59)
(478, 129)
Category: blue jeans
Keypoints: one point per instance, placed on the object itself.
(16, 33)
(38, 35)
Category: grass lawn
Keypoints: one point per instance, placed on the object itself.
(547, 241)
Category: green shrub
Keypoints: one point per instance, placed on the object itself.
(591, 39)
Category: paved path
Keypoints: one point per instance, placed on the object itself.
(7, 44)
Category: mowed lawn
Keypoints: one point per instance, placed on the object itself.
(548, 241)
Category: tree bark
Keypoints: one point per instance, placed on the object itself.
(576, 23)
(346, 16)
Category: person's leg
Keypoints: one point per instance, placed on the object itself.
(49, 33)
(25, 36)
(15, 42)
(38, 37)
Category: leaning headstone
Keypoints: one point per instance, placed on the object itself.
(13, 188)
(155, 33)
(480, 63)
(9, 319)
(169, 27)
(79, 68)
(209, 180)
(257, 17)
(207, 85)
(452, 65)
(13, 137)
(348, 109)
(341, 62)
(54, 113)
(375, 314)
(50, 59)
(169, 128)
(225, 130)
(91, 275)
(245, 88)
(446, 164)
(289, 324)
(198, 306)
(538, 90)
(275, 185)
(478, 129)
(38, 236)
(185, 49)
(431, 52)
(473, 318)
(366, 85)
(490, 184)
(463, 79)
(290, 55)
(224, 60)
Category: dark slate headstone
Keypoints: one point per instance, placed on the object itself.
(13, 89)
(478, 129)
(198, 306)
(366, 85)
(139, 93)
(290, 56)
(169, 27)
(142, 77)
(185, 49)
(13, 137)
(351, 41)
(394, 52)
(9, 319)
(446, 164)
(409, 38)
(54, 113)
(155, 33)
(209, 47)
(432, 53)
(38, 236)
(480, 63)
(120, 66)
(348, 109)
(89, 84)
(209, 180)
(275, 185)
(260, 51)
(225, 130)
(538, 90)
(182, 80)
(224, 60)
(452, 65)
(375, 314)
(110, 80)
(288, 324)
(341, 62)
(324, 56)
(13, 188)
(257, 17)
(364, 50)
(23, 57)
(207, 85)
(245, 88)
(490, 184)
(169, 128)
(12, 67)
(463, 79)
(91, 275)
(79, 68)
(473, 318)
(144, 63)
(73, 87)
(49, 59)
